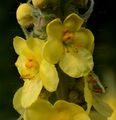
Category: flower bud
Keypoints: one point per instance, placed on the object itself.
(24, 15)
(39, 3)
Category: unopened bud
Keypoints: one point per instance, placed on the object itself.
(39, 3)
(24, 15)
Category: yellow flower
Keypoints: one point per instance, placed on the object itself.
(34, 70)
(44, 110)
(71, 45)
(24, 15)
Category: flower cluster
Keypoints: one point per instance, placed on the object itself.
(55, 61)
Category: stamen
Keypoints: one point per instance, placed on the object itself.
(68, 36)
(77, 46)
(29, 63)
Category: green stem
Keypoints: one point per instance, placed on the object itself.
(29, 1)
(26, 33)
(62, 91)
(87, 14)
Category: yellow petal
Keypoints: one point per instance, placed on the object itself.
(55, 29)
(20, 64)
(70, 111)
(73, 22)
(20, 46)
(52, 51)
(84, 38)
(17, 101)
(40, 110)
(30, 92)
(36, 45)
(64, 106)
(77, 64)
(49, 76)
(81, 116)
(88, 95)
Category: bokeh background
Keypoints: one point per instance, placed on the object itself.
(102, 24)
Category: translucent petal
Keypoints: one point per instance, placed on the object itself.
(17, 101)
(36, 45)
(88, 95)
(49, 76)
(52, 51)
(77, 63)
(20, 46)
(40, 110)
(110, 95)
(30, 92)
(94, 115)
(101, 107)
(55, 29)
(73, 22)
(84, 38)
(111, 101)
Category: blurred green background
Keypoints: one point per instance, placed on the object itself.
(101, 22)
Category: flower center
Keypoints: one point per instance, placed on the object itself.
(31, 69)
(67, 35)
(62, 116)
(29, 64)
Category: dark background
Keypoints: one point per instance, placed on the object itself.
(101, 23)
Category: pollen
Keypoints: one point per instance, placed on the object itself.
(29, 64)
(68, 36)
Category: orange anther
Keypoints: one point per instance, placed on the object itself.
(29, 64)
(67, 36)
(77, 46)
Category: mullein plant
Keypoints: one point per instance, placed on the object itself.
(55, 61)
